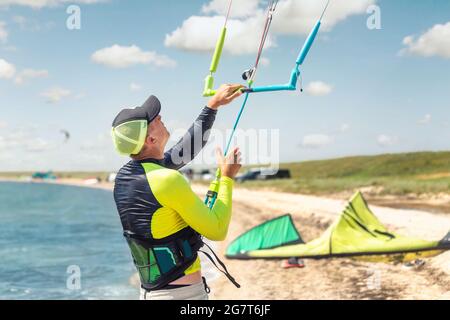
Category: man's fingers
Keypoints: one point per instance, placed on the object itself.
(235, 95)
(235, 156)
(236, 86)
(219, 154)
(233, 87)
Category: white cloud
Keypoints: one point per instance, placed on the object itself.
(425, 120)
(265, 61)
(3, 144)
(135, 87)
(20, 20)
(434, 42)
(38, 145)
(122, 57)
(80, 96)
(29, 74)
(3, 32)
(384, 140)
(10, 141)
(7, 70)
(37, 4)
(56, 94)
(101, 142)
(32, 25)
(29, 139)
(299, 16)
(9, 48)
(315, 141)
(318, 89)
(344, 128)
(199, 33)
(241, 9)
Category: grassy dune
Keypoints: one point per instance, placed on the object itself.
(396, 174)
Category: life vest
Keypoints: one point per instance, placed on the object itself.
(162, 261)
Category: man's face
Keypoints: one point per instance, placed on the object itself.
(158, 132)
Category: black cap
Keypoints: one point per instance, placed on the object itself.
(148, 111)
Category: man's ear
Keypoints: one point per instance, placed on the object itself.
(151, 140)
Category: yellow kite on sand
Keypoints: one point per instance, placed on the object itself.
(356, 233)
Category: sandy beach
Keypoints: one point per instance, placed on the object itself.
(324, 279)
(337, 278)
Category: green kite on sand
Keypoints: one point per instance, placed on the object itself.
(356, 233)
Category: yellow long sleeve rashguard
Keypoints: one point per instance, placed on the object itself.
(181, 207)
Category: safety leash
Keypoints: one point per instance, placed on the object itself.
(225, 270)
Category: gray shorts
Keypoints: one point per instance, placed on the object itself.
(198, 291)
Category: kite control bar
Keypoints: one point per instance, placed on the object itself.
(249, 76)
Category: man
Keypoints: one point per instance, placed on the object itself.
(162, 218)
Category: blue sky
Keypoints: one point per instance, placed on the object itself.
(367, 91)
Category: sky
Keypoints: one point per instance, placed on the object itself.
(376, 81)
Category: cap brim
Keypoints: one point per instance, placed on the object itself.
(152, 108)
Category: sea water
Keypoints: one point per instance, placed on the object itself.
(62, 242)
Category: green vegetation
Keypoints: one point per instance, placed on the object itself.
(15, 175)
(397, 174)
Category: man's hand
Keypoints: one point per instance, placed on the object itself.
(224, 95)
(231, 164)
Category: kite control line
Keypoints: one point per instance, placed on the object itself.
(295, 74)
(208, 91)
(213, 190)
(250, 75)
